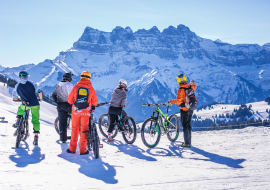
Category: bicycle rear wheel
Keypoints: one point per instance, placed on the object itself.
(130, 131)
(25, 130)
(95, 142)
(173, 128)
(104, 123)
(56, 125)
(150, 133)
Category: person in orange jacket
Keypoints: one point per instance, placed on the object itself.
(82, 96)
(186, 114)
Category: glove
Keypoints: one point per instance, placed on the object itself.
(122, 106)
(93, 108)
(192, 82)
(168, 103)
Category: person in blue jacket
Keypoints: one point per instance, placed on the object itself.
(28, 91)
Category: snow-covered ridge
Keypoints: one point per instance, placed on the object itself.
(223, 72)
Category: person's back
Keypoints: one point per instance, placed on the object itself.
(27, 91)
(80, 117)
(60, 96)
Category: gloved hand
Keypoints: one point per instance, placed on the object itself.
(93, 108)
(192, 82)
(168, 103)
(122, 106)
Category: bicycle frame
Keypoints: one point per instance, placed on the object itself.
(161, 115)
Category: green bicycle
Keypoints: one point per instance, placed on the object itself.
(153, 127)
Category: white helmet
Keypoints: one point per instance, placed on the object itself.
(123, 83)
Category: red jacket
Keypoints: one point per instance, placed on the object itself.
(181, 95)
(92, 98)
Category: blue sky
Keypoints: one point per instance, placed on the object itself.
(32, 31)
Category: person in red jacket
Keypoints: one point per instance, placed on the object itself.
(82, 96)
(186, 114)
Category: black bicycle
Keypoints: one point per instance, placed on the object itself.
(22, 131)
(153, 127)
(126, 125)
(93, 141)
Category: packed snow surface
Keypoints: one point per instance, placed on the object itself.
(228, 159)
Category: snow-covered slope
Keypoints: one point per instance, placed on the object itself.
(228, 159)
(150, 60)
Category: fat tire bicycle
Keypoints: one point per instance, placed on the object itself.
(126, 125)
(153, 127)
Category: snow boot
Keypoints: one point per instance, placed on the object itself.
(110, 140)
(35, 142)
(68, 151)
(185, 145)
(15, 125)
(87, 152)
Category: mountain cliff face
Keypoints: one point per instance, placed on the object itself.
(150, 60)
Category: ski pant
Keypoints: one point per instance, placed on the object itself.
(64, 109)
(35, 116)
(79, 121)
(186, 117)
(113, 119)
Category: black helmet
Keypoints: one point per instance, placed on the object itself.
(68, 76)
(23, 75)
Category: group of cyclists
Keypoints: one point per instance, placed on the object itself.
(79, 99)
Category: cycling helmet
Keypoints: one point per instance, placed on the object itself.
(68, 76)
(23, 75)
(85, 75)
(181, 78)
(122, 83)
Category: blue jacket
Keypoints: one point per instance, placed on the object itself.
(27, 91)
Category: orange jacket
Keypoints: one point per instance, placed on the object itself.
(181, 95)
(92, 97)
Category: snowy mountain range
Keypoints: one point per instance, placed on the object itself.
(150, 60)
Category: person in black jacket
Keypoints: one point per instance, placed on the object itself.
(60, 96)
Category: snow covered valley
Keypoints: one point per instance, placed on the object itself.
(227, 159)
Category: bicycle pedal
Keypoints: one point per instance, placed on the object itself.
(100, 145)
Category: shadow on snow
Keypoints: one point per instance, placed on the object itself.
(23, 158)
(176, 150)
(89, 166)
(131, 150)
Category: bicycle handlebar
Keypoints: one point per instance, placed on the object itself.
(148, 104)
(101, 104)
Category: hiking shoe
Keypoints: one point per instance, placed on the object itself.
(35, 142)
(185, 145)
(110, 140)
(15, 125)
(87, 152)
(68, 151)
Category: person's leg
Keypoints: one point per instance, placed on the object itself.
(19, 115)
(184, 121)
(189, 125)
(62, 116)
(112, 121)
(35, 118)
(83, 134)
(76, 119)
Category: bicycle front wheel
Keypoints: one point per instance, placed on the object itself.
(173, 128)
(130, 131)
(104, 123)
(150, 133)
